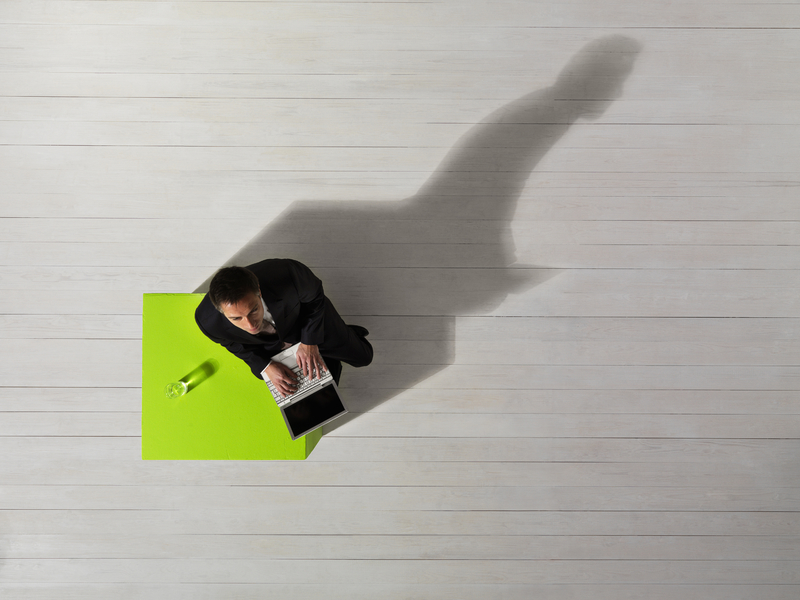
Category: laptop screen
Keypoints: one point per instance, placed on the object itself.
(313, 410)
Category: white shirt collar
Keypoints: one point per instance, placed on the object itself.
(267, 314)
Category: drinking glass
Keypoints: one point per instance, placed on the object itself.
(176, 390)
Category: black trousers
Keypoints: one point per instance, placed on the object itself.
(342, 344)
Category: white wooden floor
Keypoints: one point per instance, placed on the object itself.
(587, 368)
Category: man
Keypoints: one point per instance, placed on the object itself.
(257, 311)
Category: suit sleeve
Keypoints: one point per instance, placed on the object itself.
(312, 303)
(256, 362)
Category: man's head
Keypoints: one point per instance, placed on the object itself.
(235, 292)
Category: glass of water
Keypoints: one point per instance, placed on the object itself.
(176, 390)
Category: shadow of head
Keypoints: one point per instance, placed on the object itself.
(448, 250)
(594, 77)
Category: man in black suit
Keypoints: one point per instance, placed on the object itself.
(257, 311)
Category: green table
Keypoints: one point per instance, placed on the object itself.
(227, 414)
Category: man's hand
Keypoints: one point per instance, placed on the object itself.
(310, 361)
(282, 378)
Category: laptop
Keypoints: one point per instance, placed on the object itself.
(315, 403)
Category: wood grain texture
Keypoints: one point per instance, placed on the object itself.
(447, 498)
(581, 286)
(323, 521)
(445, 591)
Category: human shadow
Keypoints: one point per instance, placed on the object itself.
(406, 269)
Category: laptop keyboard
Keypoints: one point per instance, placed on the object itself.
(303, 384)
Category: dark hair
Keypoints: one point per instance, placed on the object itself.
(230, 285)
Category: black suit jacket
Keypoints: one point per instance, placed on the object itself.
(295, 298)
